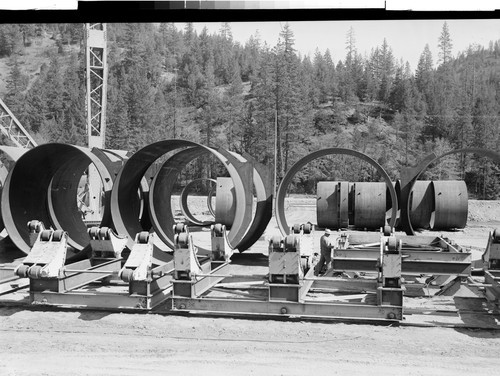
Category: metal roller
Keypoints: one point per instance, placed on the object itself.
(283, 187)
(332, 204)
(43, 186)
(421, 204)
(370, 204)
(179, 227)
(225, 202)
(450, 205)
(184, 205)
(128, 180)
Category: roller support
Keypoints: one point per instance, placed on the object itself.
(105, 243)
(284, 260)
(47, 255)
(139, 263)
(186, 263)
(221, 250)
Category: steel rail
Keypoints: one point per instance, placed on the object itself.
(43, 185)
(283, 187)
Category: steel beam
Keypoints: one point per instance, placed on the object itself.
(194, 289)
(73, 280)
(418, 262)
(288, 309)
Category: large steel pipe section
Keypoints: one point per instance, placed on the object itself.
(332, 204)
(263, 183)
(411, 176)
(12, 154)
(280, 197)
(163, 182)
(43, 185)
(370, 204)
(183, 202)
(225, 202)
(128, 180)
(421, 204)
(450, 205)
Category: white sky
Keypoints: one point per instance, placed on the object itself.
(407, 38)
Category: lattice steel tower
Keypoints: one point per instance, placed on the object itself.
(97, 75)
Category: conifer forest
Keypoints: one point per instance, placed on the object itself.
(166, 81)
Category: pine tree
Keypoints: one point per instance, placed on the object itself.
(445, 45)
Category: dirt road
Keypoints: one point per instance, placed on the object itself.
(99, 343)
(47, 342)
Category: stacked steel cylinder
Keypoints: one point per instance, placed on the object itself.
(435, 205)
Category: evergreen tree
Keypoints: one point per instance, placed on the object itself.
(445, 45)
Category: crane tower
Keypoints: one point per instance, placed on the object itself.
(96, 52)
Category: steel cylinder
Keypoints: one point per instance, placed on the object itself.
(43, 185)
(127, 183)
(225, 202)
(12, 154)
(421, 204)
(450, 205)
(332, 209)
(183, 202)
(370, 205)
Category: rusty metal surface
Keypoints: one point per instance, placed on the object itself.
(42, 185)
(283, 187)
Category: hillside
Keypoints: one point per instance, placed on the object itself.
(211, 89)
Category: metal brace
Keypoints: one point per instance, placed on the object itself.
(139, 263)
(491, 255)
(390, 291)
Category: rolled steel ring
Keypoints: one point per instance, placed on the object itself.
(184, 205)
(211, 193)
(263, 182)
(283, 187)
(482, 152)
(125, 216)
(114, 160)
(13, 154)
(43, 185)
(241, 236)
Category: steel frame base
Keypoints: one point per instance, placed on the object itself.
(66, 290)
(288, 309)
